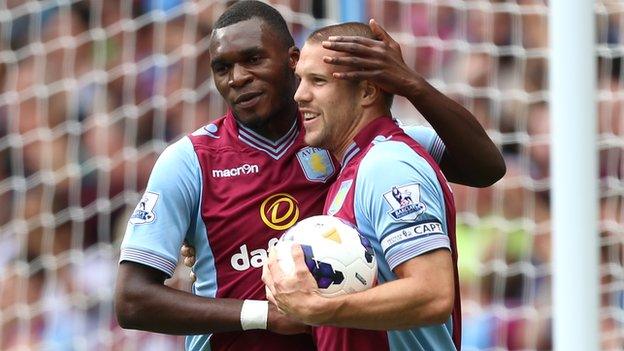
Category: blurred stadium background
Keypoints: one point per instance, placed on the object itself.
(91, 91)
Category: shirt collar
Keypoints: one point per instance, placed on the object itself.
(275, 149)
(364, 137)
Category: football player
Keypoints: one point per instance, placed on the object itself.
(416, 306)
(232, 187)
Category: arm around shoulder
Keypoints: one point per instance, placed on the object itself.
(134, 280)
(471, 157)
(142, 301)
(149, 253)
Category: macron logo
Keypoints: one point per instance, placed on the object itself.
(233, 172)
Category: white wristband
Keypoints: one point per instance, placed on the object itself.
(254, 314)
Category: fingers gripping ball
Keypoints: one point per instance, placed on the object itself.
(338, 257)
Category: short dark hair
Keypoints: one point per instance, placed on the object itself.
(245, 10)
(347, 29)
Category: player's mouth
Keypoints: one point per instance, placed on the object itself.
(248, 100)
(309, 117)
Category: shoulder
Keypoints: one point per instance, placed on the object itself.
(428, 139)
(178, 161)
(211, 133)
(394, 162)
(423, 135)
(385, 153)
(418, 132)
(181, 150)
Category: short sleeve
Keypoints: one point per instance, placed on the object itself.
(167, 211)
(399, 197)
(428, 139)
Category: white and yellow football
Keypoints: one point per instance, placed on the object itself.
(340, 259)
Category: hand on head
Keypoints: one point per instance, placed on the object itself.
(379, 60)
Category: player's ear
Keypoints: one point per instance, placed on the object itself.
(370, 93)
(293, 56)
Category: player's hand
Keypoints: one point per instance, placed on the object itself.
(267, 278)
(188, 252)
(283, 324)
(297, 295)
(379, 60)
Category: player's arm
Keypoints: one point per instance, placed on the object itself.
(142, 301)
(470, 158)
(149, 254)
(422, 295)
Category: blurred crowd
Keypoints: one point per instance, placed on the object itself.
(92, 91)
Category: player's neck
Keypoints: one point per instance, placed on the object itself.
(368, 116)
(278, 125)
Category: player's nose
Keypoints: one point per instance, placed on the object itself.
(239, 76)
(303, 93)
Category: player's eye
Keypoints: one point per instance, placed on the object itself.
(220, 69)
(254, 59)
(319, 81)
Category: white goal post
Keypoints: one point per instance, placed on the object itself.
(574, 183)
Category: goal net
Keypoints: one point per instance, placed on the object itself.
(92, 91)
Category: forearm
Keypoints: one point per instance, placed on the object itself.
(143, 302)
(400, 304)
(474, 158)
(158, 308)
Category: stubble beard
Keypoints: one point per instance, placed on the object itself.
(320, 139)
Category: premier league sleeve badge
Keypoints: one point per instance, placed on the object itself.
(405, 202)
(144, 212)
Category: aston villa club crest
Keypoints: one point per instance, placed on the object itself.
(405, 202)
(316, 164)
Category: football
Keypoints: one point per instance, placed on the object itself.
(340, 259)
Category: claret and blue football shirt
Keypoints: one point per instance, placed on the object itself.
(231, 193)
(397, 197)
